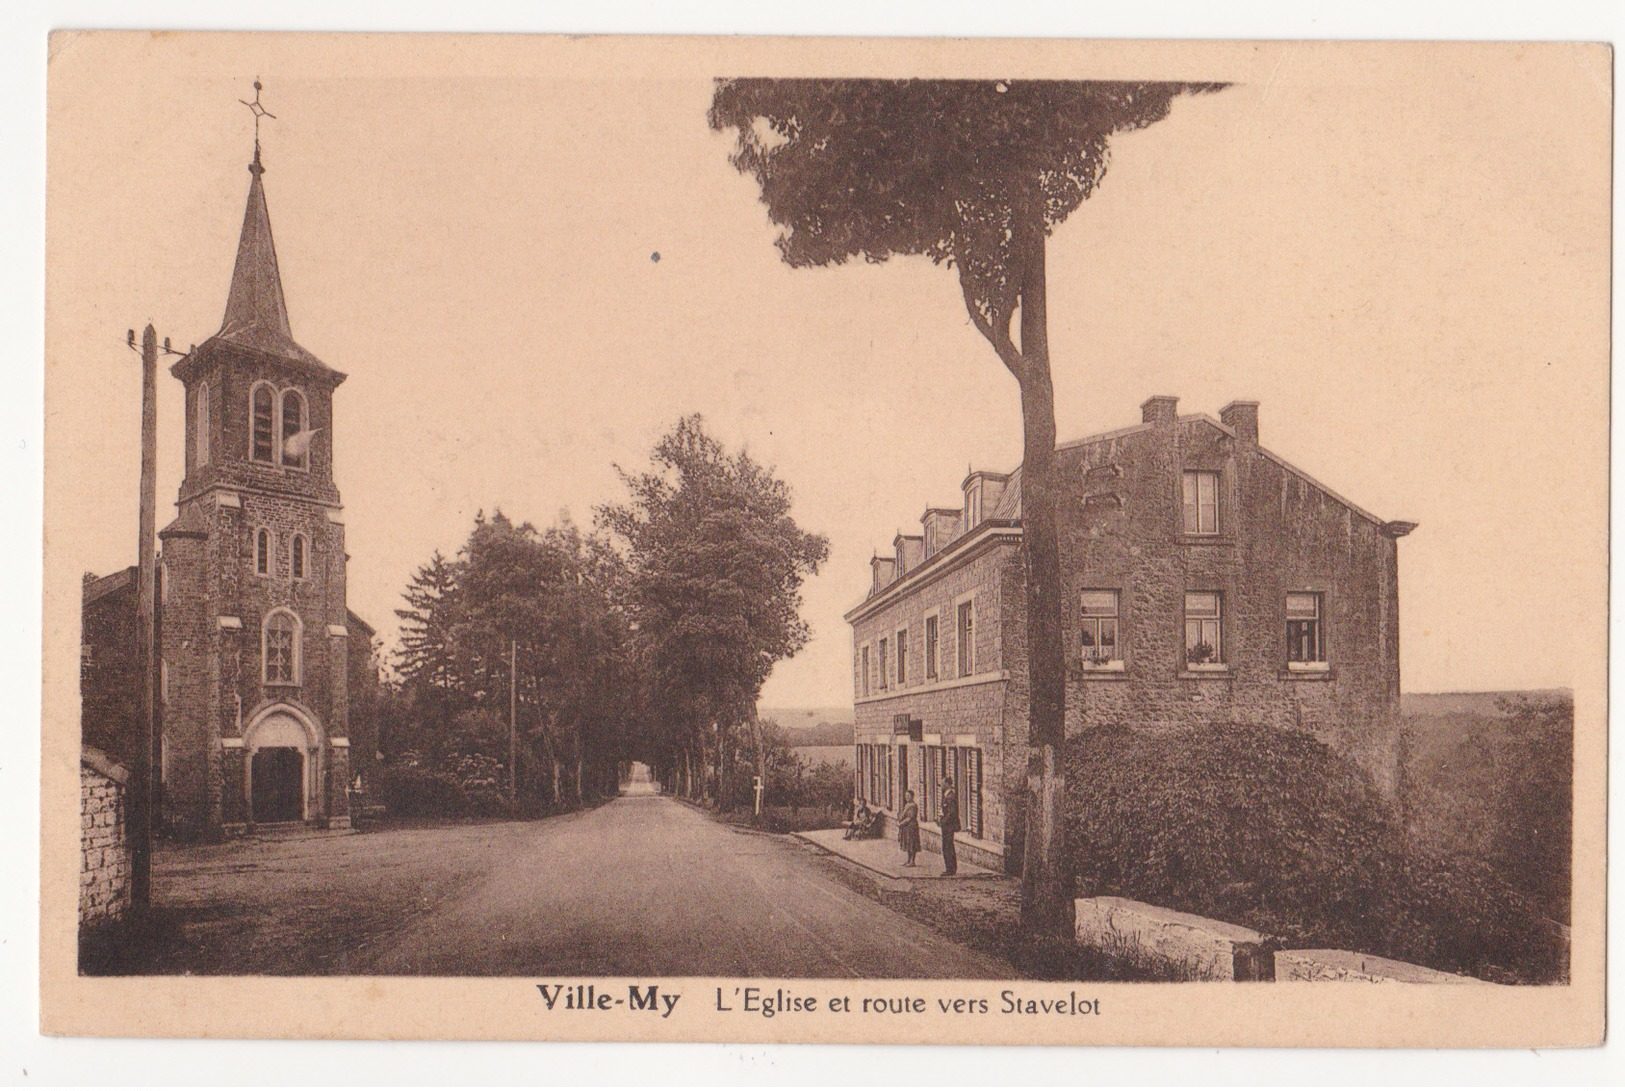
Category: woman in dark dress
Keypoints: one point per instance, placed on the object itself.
(908, 829)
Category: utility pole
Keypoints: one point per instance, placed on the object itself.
(513, 727)
(145, 766)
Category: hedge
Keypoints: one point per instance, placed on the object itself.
(1275, 831)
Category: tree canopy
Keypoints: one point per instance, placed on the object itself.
(714, 567)
(949, 169)
(530, 612)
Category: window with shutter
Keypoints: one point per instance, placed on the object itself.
(293, 423)
(263, 414)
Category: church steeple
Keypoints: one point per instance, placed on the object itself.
(256, 310)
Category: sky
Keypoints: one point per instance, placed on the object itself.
(1402, 254)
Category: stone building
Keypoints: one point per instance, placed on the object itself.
(258, 649)
(1205, 580)
(107, 680)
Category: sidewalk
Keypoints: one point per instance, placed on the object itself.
(884, 858)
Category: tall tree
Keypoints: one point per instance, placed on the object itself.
(528, 612)
(426, 657)
(973, 174)
(714, 567)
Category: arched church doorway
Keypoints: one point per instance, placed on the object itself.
(279, 784)
(281, 767)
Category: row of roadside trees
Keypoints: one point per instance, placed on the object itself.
(535, 663)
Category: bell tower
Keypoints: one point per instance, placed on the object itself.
(253, 674)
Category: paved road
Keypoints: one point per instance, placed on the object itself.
(646, 885)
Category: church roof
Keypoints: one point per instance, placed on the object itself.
(190, 523)
(256, 312)
(97, 589)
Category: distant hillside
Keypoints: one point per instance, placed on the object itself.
(1495, 784)
(829, 726)
(1477, 704)
(795, 718)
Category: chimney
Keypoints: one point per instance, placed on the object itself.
(1160, 409)
(1242, 418)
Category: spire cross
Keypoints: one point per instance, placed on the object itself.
(258, 111)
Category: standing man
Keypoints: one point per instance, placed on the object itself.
(948, 823)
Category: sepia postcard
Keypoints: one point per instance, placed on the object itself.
(826, 540)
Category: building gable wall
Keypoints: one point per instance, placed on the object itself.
(1278, 533)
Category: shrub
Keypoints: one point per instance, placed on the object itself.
(1273, 830)
(483, 781)
(408, 792)
(829, 785)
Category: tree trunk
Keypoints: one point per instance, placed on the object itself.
(1046, 904)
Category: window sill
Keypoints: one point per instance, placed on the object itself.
(1188, 538)
(1308, 672)
(1205, 670)
(1113, 668)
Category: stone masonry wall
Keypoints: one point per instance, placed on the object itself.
(1277, 534)
(952, 711)
(1017, 702)
(231, 376)
(190, 641)
(104, 872)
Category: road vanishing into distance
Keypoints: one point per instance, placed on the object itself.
(646, 885)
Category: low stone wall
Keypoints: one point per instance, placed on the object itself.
(1197, 948)
(1200, 949)
(1330, 965)
(104, 869)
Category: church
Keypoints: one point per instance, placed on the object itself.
(259, 653)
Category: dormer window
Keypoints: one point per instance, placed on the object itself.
(973, 506)
(262, 404)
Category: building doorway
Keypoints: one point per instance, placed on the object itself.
(278, 779)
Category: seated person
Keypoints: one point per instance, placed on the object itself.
(862, 819)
